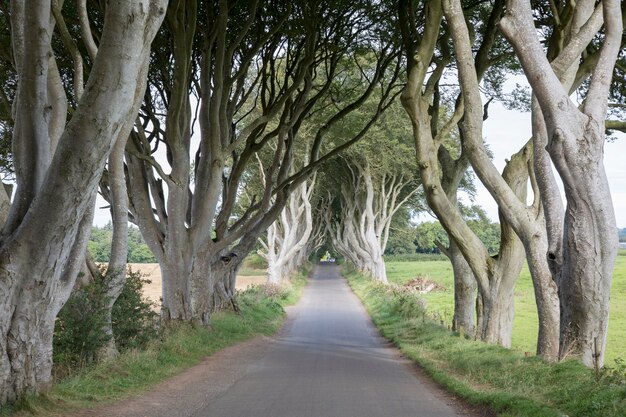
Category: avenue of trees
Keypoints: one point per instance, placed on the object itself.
(220, 127)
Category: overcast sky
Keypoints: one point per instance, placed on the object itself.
(506, 131)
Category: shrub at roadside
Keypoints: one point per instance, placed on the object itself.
(285, 294)
(134, 319)
(78, 328)
(509, 382)
(78, 334)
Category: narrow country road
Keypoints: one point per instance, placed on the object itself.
(328, 361)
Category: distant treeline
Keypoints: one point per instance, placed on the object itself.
(100, 245)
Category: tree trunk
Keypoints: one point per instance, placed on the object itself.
(26, 348)
(576, 142)
(440, 172)
(274, 273)
(201, 288)
(510, 189)
(288, 236)
(589, 246)
(176, 270)
(224, 279)
(116, 270)
(464, 290)
(43, 243)
(499, 298)
(546, 296)
(499, 312)
(465, 285)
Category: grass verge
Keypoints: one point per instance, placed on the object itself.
(178, 348)
(507, 381)
(526, 322)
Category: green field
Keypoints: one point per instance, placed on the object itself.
(441, 302)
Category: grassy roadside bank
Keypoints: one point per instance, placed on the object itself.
(176, 349)
(507, 381)
(437, 268)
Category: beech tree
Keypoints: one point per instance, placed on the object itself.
(495, 276)
(58, 164)
(368, 204)
(527, 221)
(286, 247)
(370, 184)
(116, 269)
(290, 238)
(114, 185)
(575, 141)
(258, 70)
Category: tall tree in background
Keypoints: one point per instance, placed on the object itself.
(286, 246)
(57, 168)
(371, 183)
(431, 235)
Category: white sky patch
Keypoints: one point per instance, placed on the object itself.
(506, 131)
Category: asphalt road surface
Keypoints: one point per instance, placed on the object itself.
(327, 361)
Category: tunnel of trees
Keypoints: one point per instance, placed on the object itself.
(218, 128)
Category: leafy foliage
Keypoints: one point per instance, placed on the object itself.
(401, 234)
(78, 334)
(8, 88)
(488, 232)
(133, 315)
(403, 301)
(427, 234)
(100, 245)
(78, 329)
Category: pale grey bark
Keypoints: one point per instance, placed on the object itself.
(85, 29)
(452, 172)
(5, 202)
(44, 241)
(71, 47)
(495, 277)
(288, 237)
(368, 203)
(509, 190)
(578, 24)
(464, 290)
(116, 269)
(421, 100)
(575, 143)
